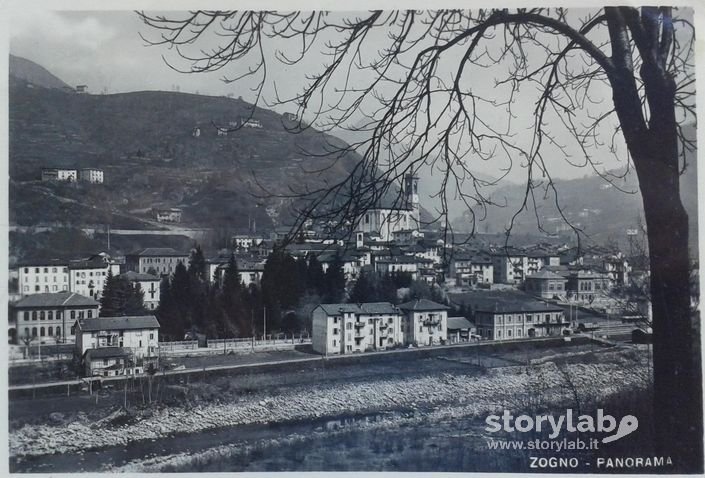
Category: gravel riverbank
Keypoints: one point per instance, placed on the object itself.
(467, 394)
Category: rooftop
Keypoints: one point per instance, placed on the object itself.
(57, 299)
(421, 305)
(119, 323)
(106, 352)
(133, 276)
(545, 274)
(455, 323)
(160, 252)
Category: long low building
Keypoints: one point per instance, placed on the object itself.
(519, 319)
(354, 328)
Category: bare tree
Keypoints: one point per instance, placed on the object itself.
(593, 74)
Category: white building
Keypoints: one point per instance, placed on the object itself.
(469, 269)
(397, 264)
(88, 277)
(510, 266)
(156, 260)
(150, 286)
(386, 219)
(91, 175)
(519, 319)
(172, 214)
(39, 277)
(59, 174)
(138, 337)
(425, 322)
(49, 317)
(351, 328)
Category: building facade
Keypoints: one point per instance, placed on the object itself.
(545, 284)
(43, 277)
(150, 286)
(50, 318)
(385, 220)
(156, 260)
(91, 175)
(59, 174)
(518, 320)
(88, 277)
(425, 322)
(354, 328)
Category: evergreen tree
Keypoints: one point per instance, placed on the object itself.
(315, 278)
(363, 290)
(197, 264)
(134, 303)
(108, 306)
(233, 320)
(334, 281)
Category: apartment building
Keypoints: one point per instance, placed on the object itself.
(425, 322)
(155, 260)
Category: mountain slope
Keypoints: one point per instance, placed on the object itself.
(26, 70)
(163, 149)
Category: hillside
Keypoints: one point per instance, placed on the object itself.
(602, 210)
(29, 72)
(158, 149)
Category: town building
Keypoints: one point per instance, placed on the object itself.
(460, 330)
(171, 214)
(150, 286)
(518, 319)
(250, 271)
(87, 277)
(509, 266)
(471, 269)
(398, 264)
(137, 336)
(91, 175)
(425, 322)
(59, 174)
(388, 217)
(351, 328)
(546, 285)
(41, 277)
(246, 241)
(586, 286)
(50, 317)
(156, 261)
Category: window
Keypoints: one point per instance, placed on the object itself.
(548, 317)
(348, 326)
(335, 331)
(151, 336)
(58, 331)
(90, 314)
(34, 315)
(46, 269)
(53, 288)
(499, 333)
(50, 315)
(519, 333)
(26, 331)
(36, 270)
(73, 314)
(26, 315)
(41, 331)
(50, 331)
(53, 269)
(529, 318)
(26, 270)
(509, 333)
(37, 288)
(41, 315)
(105, 361)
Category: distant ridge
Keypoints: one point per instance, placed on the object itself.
(24, 69)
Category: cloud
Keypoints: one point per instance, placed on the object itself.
(70, 29)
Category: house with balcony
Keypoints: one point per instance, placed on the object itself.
(136, 336)
(354, 328)
(425, 322)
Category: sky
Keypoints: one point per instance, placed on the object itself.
(104, 50)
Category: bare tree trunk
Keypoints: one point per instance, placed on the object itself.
(677, 384)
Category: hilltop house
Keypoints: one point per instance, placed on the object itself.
(91, 175)
(350, 328)
(172, 214)
(59, 174)
(49, 317)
